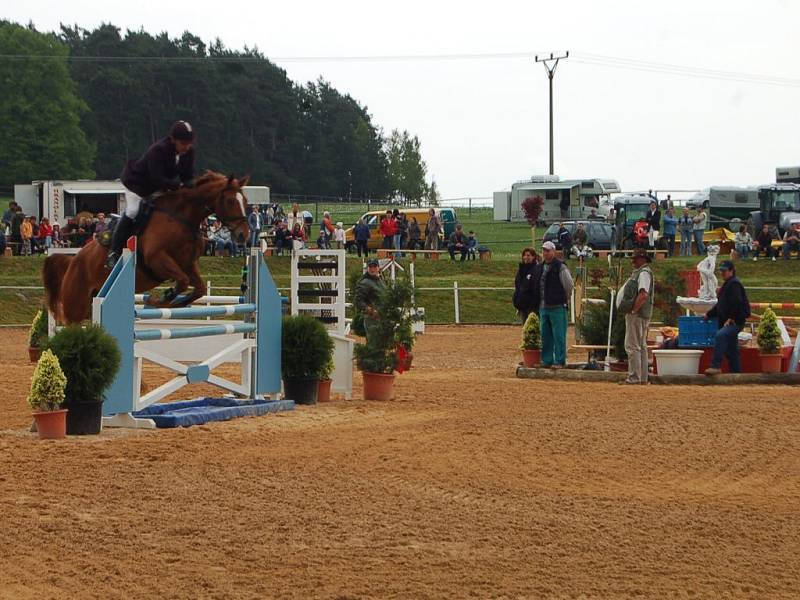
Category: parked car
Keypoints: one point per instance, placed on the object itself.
(373, 218)
(598, 234)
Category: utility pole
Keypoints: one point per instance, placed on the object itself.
(551, 70)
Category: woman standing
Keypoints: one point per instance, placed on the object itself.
(526, 283)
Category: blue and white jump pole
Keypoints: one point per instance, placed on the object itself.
(255, 342)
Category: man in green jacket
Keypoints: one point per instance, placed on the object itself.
(368, 291)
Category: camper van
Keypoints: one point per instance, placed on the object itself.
(727, 206)
(60, 200)
(577, 197)
(787, 175)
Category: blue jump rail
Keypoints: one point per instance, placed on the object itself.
(191, 332)
(192, 312)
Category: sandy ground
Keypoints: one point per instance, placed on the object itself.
(471, 484)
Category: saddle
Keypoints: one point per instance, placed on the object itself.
(146, 209)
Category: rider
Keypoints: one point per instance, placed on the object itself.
(167, 164)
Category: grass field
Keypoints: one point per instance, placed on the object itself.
(18, 305)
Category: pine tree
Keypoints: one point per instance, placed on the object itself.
(49, 383)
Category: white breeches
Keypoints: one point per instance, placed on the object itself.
(132, 201)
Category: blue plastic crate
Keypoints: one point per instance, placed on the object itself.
(696, 332)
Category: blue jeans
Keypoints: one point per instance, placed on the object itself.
(686, 243)
(726, 343)
(742, 250)
(698, 239)
(398, 245)
(254, 237)
(554, 335)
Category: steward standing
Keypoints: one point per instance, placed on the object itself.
(368, 291)
(654, 224)
(731, 311)
(554, 289)
(525, 284)
(635, 301)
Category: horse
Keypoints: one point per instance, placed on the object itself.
(169, 248)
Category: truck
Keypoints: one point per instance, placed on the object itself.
(779, 207)
(628, 209)
(577, 196)
(61, 200)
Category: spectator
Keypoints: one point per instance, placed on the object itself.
(525, 284)
(8, 215)
(45, 234)
(742, 242)
(101, 226)
(26, 233)
(555, 287)
(16, 235)
(670, 225)
(413, 234)
(280, 237)
(322, 240)
(699, 228)
(635, 301)
(362, 234)
(58, 241)
(397, 238)
(458, 243)
(654, 225)
(298, 237)
(387, 229)
(2, 240)
(593, 216)
(731, 311)
(308, 219)
(432, 230)
(34, 238)
(294, 217)
(327, 228)
(686, 225)
(580, 239)
(565, 240)
(255, 222)
(368, 291)
(338, 235)
(402, 229)
(764, 242)
(472, 245)
(791, 241)
(223, 241)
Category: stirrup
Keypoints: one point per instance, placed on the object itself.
(111, 260)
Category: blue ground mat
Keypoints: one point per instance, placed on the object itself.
(203, 410)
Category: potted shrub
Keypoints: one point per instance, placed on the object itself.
(324, 385)
(90, 359)
(531, 341)
(306, 351)
(46, 397)
(37, 340)
(389, 342)
(769, 342)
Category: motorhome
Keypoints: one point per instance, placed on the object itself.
(60, 200)
(727, 206)
(574, 198)
(787, 175)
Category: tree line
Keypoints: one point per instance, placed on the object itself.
(79, 104)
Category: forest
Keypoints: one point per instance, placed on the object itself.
(79, 104)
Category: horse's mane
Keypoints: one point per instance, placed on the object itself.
(208, 184)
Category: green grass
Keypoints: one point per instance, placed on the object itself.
(20, 305)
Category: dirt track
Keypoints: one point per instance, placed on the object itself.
(472, 483)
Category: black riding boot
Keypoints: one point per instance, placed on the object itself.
(122, 232)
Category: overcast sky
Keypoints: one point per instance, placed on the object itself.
(483, 123)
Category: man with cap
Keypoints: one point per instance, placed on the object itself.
(167, 164)
(731, 311)
(635, 301)
(551, 297)
(368, 291)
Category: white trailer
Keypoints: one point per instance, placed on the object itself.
(579, 196)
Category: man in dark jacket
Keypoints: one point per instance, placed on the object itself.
(167, 164)
(362, 234)
(526, 285)
(368, 292)
(458, 243)
(731, 311)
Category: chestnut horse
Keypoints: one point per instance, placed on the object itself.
(170, 247)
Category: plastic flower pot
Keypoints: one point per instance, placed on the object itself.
(771, 363)
(678, 362)
(84, 418)
(302, 391)
(531, 358)
(324, 390)
(52, 424)
(378, 386)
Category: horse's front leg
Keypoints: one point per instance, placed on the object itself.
(166, 268)
(198, 286)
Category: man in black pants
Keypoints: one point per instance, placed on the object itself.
(731, 311)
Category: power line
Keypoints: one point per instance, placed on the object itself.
(550, 65)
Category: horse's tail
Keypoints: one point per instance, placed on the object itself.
(53, 271)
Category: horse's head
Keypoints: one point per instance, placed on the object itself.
(230, 206)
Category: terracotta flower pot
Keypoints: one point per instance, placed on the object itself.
(51, 424)
(34, 353)
(771, 363)
(324, 390)
(531, 358)
(378, 386)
